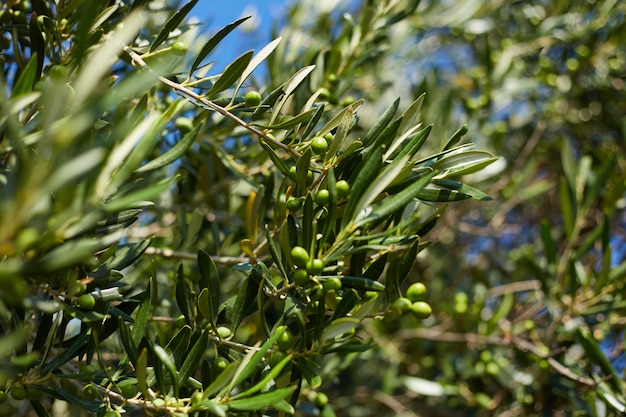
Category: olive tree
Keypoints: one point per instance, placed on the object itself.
(178, 239)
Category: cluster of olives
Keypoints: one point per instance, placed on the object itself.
(413, 302)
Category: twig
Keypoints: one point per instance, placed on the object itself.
(210, 105)
(516, 342)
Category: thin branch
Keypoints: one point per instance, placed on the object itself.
(210, 105)
(475, 339)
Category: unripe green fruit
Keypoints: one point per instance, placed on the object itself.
(285, 341)
(293, 204)
(179, 48)
(319, 145)
(224, 332)
(421, 309)
(343, 188)
(90, 392)
(332, 78)
(292, 173)
(86, 302)
(220, 363)
(315, 266)
(416, 291)
(3, 397)
(87, 373)
(331, 284)
(320, 400)
(128, 388)
(18, 392)
(184, 124)
(112, 413)
(401, 306)
(300, 256)
(58, 73)
(253, 98)
(276, 357)
(301, 277)
(322, 197)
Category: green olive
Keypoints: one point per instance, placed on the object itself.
(331, 284)
(416, 291)
(421, 309)
(18, 392)
(90, 392)
(320, 400)
(319, 145)
(343, 188)
(58, 73)
(300, 256)
(220, 363)
(253, 98)
(86, 302)
(276, 357)
(315, 266)
(179, 48)
(285, 341)
(224, 332)
(401, 306)
(184, 124)
(301, 277)
(293, 204)
(3, 397)
(322, 197)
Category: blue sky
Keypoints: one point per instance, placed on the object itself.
(254, 34)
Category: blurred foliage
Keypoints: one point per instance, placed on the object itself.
(175, 241)
(527, 290)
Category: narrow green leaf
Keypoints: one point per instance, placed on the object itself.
(209, 278)
(214, 41)
(222, 380)
(130, 347)
(179, 344)
(193, 358)
(76, 399)
(168, 363)
(378, 185)
(143, 315)
(141, 371)
(230, 74)
(549, 245)
(203, 305)
(261, 401)
(141, 197)
(67, 354)
(37, 45)
(462, 188)
(274, 252)
(397, 201)
(173, 153)
(361, 283)
(280, 165)
(435, 195)
(296, 79)
(340, 117)
(26, 79)
(302, 168)
(244, 302)
(183, 295)
(348, 301)
(456, 137)
(270, 376)
(415, 143)
(339, 327)
(568, 206)
(256, 61)
(289, 123)
(597, 357)
(172, 24)
(409, 117)
(343, 127)
(382, 122)
(363, 180)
